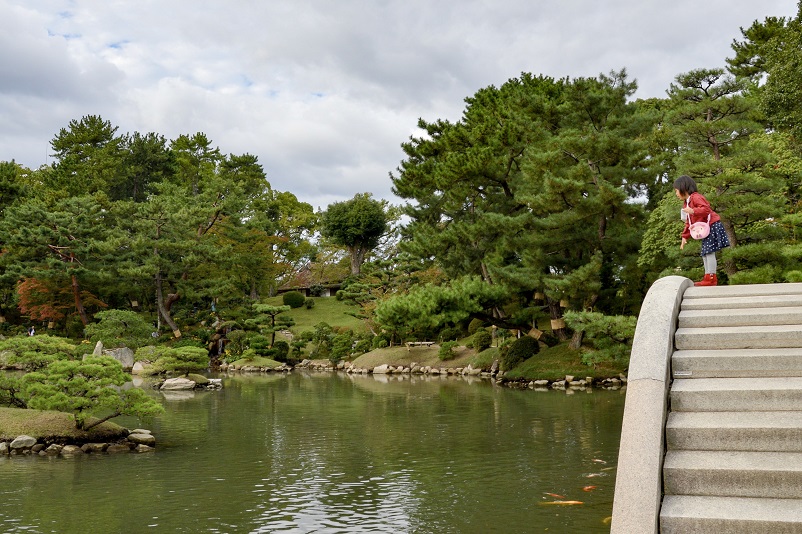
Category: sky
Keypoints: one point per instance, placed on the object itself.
(324, 92)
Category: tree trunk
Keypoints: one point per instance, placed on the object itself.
(556, 314)
(164, 311)
(357, 259)
(254, 295)
(576, 340)
(79, 305)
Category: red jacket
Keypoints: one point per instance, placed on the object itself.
(701, 209)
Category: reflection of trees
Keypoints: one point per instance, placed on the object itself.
(284, 450)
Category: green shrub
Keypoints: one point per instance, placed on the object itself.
(259, 344)
(280, 351)
(451, 333)
(380, 341)
(119, 328)
(36, 352)
(309, 303)
(475, 325)
(765, 274)
(341, 346)
(317, 290)
(293, 299)
(482, 340)
(610, 336)
(446, 351)
(237, 342)
(188, 342)
(518, 351)
(363, 345)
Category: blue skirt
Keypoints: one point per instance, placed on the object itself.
(716, 240)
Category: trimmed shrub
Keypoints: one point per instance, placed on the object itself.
(482, 340)
(446, 351)
(309, 303)
(317, 290)
(120, 328)
(451, 333)
(475, 325)
(293, 299)
(519, 351)
(363, 345)
(259, 344)
(280, 351)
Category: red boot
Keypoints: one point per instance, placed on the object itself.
(708, 280)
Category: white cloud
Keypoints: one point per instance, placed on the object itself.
(325, 92)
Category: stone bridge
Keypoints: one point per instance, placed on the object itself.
(712, 433)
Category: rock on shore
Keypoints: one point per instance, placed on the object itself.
(138, 440)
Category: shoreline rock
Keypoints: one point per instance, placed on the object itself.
(138, 440)
(568, 383)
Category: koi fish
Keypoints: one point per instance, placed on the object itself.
(598, 461)
(556, 496)
(567, 503)
(593, 475)
(589, 488)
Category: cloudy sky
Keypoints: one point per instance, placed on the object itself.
(323, 92)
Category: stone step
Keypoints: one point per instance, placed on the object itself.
(736, 394)
(775, 475)
(740, 317)
(735, 431)
(746, 290)
(749, 302)
(738, 337)
(731, 363)
(681, 514)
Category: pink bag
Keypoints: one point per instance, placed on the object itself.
(701, 229)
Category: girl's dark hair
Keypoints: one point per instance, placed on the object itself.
(685, 185)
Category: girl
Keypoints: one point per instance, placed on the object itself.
(697, 209)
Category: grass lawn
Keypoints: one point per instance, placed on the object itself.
(326, 310)
(52, 425)
(554, 363)
(423, 356)
(258, 361)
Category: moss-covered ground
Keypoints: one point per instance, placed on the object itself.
(46, 424)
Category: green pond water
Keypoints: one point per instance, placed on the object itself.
(325, 453)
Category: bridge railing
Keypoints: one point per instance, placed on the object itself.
(638, 484)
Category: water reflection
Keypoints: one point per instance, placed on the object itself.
(319, 452)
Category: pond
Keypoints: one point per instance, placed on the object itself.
(324, 452)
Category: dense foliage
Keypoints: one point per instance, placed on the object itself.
(549, 202)
(518, 351)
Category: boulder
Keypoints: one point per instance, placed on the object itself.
(53, 450)
(23, 442)
(142, 439)
(143, 448)
(71, 449)
(381, 369)
(178, 384)
(4, 447)
(124, 355)
(118, 447)
(137, 368)
(98, 349)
